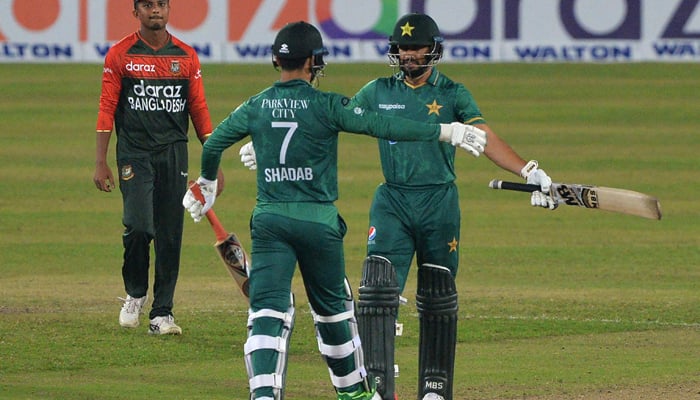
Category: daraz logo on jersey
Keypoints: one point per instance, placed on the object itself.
(167, 91)
(135, 67)
(157, 98)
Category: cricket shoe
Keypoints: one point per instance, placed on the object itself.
(359, 395)
(129, 314)
(164, 325)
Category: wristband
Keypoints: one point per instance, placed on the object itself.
(528, 168)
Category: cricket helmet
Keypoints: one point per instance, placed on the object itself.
(416, 30)
(300, 40)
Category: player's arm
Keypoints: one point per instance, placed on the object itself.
(198, 108)
(109, 98)
(498, 151)
(501, 154)
(363, 97)
(355, 119)
(231, 130)
(102, 177)
(228, 132)
(352, 118)
(199, 112)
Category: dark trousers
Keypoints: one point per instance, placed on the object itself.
(152, 189)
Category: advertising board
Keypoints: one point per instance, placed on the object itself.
(241, 31)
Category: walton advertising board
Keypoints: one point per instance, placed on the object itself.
(241, 31)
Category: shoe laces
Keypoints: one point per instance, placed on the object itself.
(131, 304)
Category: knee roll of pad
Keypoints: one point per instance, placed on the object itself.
(377, 309)
(437, 305)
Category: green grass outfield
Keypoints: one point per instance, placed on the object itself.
(568, 304)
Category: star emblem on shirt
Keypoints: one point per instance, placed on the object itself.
(453, 244)
(434, 108)
(407, 29)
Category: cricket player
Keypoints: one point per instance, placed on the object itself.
(151, 86)
(416, 210)
(294, 128)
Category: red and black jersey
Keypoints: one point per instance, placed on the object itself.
(149, 95)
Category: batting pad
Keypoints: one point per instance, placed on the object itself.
(436, 302)
(377, 309)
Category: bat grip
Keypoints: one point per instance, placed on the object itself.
(520, 187)
(219, 230)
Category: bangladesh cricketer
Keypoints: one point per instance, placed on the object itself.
(151, 86)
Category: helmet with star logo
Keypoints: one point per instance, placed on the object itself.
(414, 31)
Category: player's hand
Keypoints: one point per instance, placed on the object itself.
(197, 205)
(469, 138)
(103, 178)
(539, 199)
(536, 176)
(247, 153)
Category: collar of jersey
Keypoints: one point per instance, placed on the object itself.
(293, 82)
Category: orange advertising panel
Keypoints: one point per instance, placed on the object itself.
(474, 30)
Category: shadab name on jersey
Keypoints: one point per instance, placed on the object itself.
(288, 174)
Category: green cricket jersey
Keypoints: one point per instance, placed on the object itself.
(439, 100)
(294, 129)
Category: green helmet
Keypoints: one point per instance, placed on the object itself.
(415, 30)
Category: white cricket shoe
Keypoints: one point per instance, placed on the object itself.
(129, 315)
(164, 326)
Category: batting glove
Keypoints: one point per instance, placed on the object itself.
(469, 138)
(247, 153)
(198, 206)
(536, 176)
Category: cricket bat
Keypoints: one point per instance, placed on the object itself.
(598, 197)
(227, 246)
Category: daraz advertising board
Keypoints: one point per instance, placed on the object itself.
(242, 31)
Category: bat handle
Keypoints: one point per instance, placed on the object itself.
(219, 230)
(520, 187)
